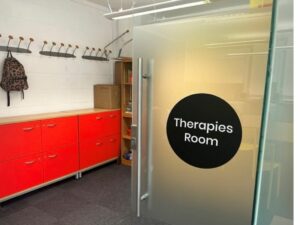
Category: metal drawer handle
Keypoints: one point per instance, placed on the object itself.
(98, 118)
(99, 143)
(51, 125)
(28, 129)
(112, 115)
(52, 156)
(30, 162)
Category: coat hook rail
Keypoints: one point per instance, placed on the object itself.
(105, 53)
(60, 52)
(90, 55)
(17, 49)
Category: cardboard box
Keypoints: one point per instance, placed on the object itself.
(107, 96)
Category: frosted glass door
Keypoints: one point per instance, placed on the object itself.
(223, 55)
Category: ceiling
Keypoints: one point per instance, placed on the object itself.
(116, 5)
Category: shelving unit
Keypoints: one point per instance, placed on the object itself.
(123, 76)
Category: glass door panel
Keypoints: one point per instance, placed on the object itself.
(224, 55)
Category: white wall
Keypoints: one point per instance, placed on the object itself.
(122, 26)
(55, 84)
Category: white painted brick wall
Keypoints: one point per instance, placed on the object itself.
(55, 84)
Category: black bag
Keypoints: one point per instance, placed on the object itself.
(13, 76)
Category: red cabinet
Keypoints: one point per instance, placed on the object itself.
(112, 122)
(111, 147)
(99, 124)
(98, 150)
(33, 153)
(7, 184)
(91, 126)
(19, 140)
(59, 132)
(28, 171)
(21, 174)
(90, 152)
(61, 161)
(99, 136)
(60, 144)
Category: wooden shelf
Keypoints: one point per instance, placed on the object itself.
(127, 137)
(123, 76)
(127, 115)
(126, 162)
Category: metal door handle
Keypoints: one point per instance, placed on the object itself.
(98, 118)
(112, 140)
(133, 143)
(50, 125)
(139, 134)
(99, 143)
(112, 116)
(28, 129)
(140, 106)
(52, 156)
(30, 162)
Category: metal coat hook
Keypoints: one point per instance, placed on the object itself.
(99, 50)
(76, 47)
(69, 46)
(107, 53)
(10, 37)
(17, 49)
(30, 41)
(53, 44)
(86, 48)
(120, 50)
(93, 49)
(61, 45)
(45, 43)
(20, 40)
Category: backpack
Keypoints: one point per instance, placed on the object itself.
(13, 76)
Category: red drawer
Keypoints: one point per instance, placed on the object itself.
(59, 132)
(91, 126)
(90, 152)
(19, 139)
(28, 172)
(111, 147)
(8, 182)
(112, 122)
(61, 161)
(99, 125)
(98, 150)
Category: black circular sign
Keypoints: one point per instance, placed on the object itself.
(204, 130)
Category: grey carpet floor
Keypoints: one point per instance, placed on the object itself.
(100, 197)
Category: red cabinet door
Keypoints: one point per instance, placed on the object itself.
(59, 132)
(28, 172)
(7, 185)
(112, 122)
(90, 152)
(99, 124)
(111, 147)
(91, 126)
(99, 150)
(19, 139)
(61, 161)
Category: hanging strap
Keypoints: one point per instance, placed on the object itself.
(8, 98)
(9, 55)
(22, 94)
